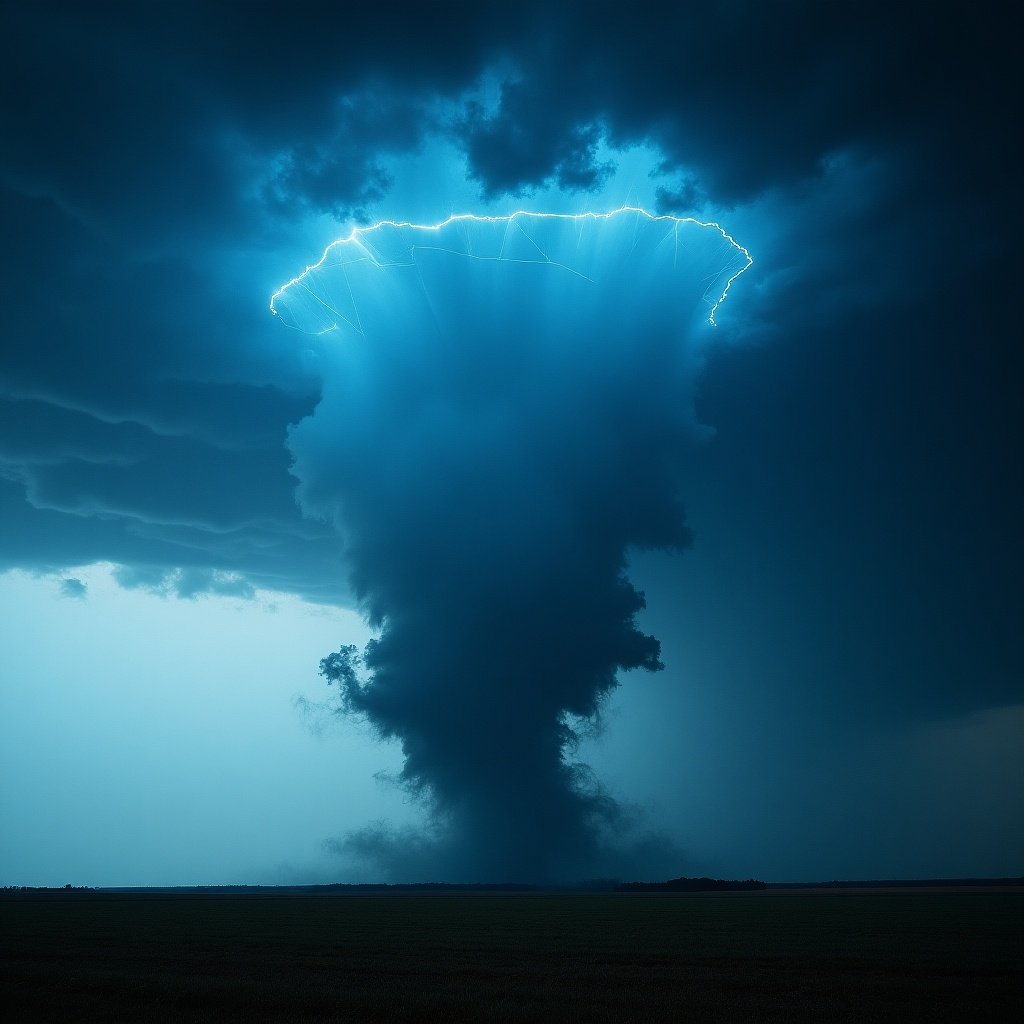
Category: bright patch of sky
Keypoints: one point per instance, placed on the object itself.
(156, 741)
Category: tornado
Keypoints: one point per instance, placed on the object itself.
(505, 406)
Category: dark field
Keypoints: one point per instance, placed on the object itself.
(785, 956)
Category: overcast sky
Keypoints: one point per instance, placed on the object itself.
(763, 578)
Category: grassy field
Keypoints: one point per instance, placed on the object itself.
(773, 956)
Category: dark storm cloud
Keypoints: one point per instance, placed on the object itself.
(862, 497)
(684, 199)
(146, 391)
(529, 144)
(163, 105)
(340, 171)
(753, 95)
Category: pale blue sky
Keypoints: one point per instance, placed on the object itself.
(154, 741)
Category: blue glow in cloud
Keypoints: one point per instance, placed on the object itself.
(322, 297)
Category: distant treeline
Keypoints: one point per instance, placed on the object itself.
(900, 883)
(47, 888)
(425, 887)
(694, 885)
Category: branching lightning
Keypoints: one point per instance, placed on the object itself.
(360, 239)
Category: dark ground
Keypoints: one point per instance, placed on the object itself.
(770, 956)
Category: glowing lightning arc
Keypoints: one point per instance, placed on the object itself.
(356, 236)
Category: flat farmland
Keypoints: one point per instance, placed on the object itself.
(768, 956)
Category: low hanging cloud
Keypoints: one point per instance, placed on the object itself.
(73, 587)
(501, 423)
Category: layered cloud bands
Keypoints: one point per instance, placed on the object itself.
(500, 425)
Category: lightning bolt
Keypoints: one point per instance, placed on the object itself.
(360, 238)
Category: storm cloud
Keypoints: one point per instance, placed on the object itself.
(501, 424)
(847, 451)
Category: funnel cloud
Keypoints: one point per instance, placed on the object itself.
(501, 425)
